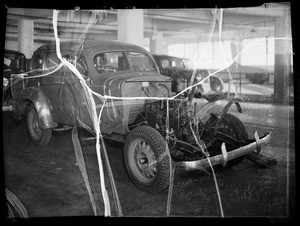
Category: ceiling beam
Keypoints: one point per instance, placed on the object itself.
(189, 24)
(266, 10)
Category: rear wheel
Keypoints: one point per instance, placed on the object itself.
(232, 126)
(143, 147)
(36, 134)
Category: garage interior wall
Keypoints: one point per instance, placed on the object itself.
(172, 32)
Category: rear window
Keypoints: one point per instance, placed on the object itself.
(170, 63)
(51, 60)
(140, 61)
(79, 63)
(110, 62)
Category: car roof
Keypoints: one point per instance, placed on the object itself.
(94, 46)
(166, 56)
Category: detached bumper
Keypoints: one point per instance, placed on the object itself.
(228, 156)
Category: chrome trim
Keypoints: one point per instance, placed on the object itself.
(227, 156)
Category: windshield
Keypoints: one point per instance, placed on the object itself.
(171, 63)
(119, 61)
(188, 63)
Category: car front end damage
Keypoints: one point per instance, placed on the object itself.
(199, 138)
(181, 131)
(138, 106)
(251, 145)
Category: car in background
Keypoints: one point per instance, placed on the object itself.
(14, 63)
(181, 75)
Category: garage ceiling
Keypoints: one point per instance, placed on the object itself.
(177, 25)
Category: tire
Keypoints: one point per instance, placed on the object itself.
(230, 125)
(144, 145)
(36, 134)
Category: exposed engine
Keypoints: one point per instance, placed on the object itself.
(182, 133)
(189, 138)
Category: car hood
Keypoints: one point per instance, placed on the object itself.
(176, 73)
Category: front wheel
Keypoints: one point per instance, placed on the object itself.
(143, 147)
(36, 134)
(231, 126)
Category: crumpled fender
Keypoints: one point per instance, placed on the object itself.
(227, 106)
(42, 106)
(233, 101)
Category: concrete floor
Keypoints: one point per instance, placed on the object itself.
(49, 184)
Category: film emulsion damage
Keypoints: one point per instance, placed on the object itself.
(114, 90)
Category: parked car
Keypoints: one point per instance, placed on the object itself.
(146, 126)
(181, 75)
(14, 63)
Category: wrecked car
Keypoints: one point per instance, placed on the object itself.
(156, 125)
(181, 72)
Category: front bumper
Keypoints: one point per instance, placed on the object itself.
(228, 156)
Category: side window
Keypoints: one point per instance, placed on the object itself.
(140, 61)
(110, 62)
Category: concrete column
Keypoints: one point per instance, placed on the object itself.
(157, 44)
(282, 66)
(26, 37)
(131, 26)
(236, 48)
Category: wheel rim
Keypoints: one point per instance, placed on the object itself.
(142, 160)
(34, 126)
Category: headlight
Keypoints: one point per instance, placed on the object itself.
(216, 84)
(181, 84)
(5, 82)
(156, 90)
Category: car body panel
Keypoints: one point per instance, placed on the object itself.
(68, 98)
